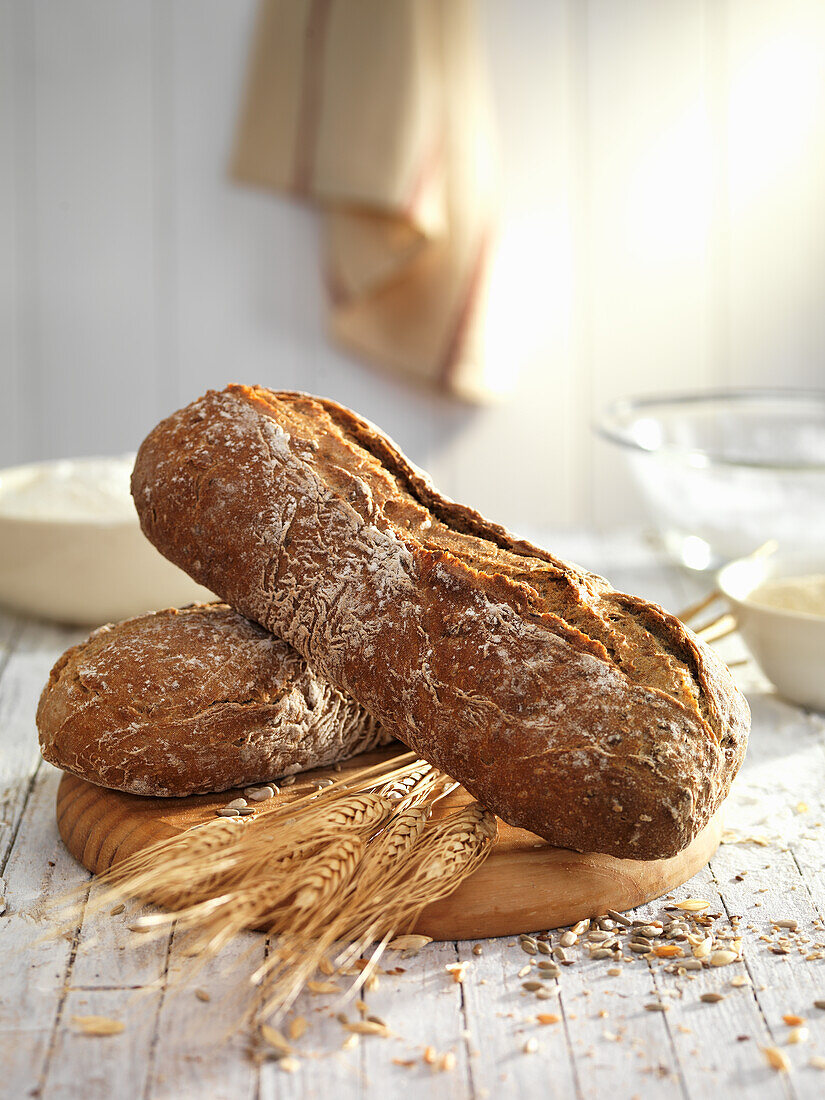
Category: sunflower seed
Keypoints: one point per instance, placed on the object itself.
(261, 794)
(531, 987)
(528, 946)
(286, 781)
(620, 918)
(246, 811)
(657, 1006)
(693, 905)
(777, 1059)
(544, 948)
(236, 804)
(227, 811)
(601, 953)
(568, 939)
(712, 998)
(723, 958)
(640, 948)
(791, 925)
(817, 1004)
(691, 964)
(549, 968)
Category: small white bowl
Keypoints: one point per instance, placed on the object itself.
(789, 646)
(76, 555)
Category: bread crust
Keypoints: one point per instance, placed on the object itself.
(588, 716)
(191, 701)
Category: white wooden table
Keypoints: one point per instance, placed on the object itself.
(177, 1045)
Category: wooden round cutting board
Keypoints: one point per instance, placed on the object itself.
(524, 885)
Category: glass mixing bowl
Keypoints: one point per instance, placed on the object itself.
(721, 472)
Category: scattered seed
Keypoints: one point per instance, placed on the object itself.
(98, 1025)
(478, 949)
(368, 1027)
(817, 1061)
(702, 949)
(723, 958)
(559, 954)
(545, 1018)
(668, 951)
(614, 971)
(286, 781)
(817, 1004)
(297, 1027)
(275, 1039)
(620, 918)
(657, 1006)
(712, 998)
(693, 905)
(202, 995)
(528, 946)
(246, 811)
(581, 926)
(458, 971)
(409, 943)
(740, 980)
(531, 1046)
(549, 968)
(430, 1054)
(236, 804)
(532, 986)
(525, 970)
(568, 939)
(777, 1059)
(640, 948)
(323, 987)
(599, 936)
(289, 1064)
(601, 953)
(544, 948)
(792, 1020)
(797, 1035)
(791, 925)
(447, 1062)
(227, 811)
(264, 793)
(691, 964)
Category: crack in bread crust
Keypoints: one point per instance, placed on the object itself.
(593, 718)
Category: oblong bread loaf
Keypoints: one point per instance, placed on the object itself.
(185, 702)
(586, 715)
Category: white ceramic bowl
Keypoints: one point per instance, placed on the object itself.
(86, 561)
(789, 646)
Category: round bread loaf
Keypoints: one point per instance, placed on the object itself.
(589, 716)
(185, 702)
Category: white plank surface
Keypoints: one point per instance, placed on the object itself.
(176, 1046)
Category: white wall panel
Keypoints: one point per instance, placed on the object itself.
(94, 305)
(647, 241)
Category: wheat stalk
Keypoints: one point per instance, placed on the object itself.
(351, 864)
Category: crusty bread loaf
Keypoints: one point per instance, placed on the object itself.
(588, 716)
(183, 702)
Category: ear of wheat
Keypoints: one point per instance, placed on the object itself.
(328, 874)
